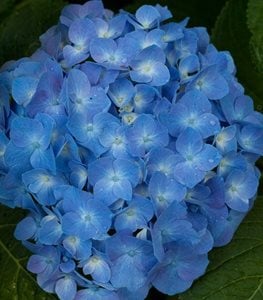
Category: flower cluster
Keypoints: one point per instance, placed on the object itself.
(132, 145)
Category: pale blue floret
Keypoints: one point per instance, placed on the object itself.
(132, 259)
(149, 67)
(84, 217)
(113, 179)
(121, 92)
(164, 191)
(211, 83)
(198, 158)
(241, 187)
(193, 110)
(146, 134)
(136, 215)
(80, 34)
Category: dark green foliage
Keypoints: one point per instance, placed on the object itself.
(15, 282)
(23, 24)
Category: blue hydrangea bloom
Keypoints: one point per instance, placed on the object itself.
(193, 110)
(132, 146)
(197, 158)
(113, 179)
(84, 217)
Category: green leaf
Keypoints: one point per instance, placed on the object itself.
(15, 282)
(255, 25)
(6, 7)
(20, 30)
(231, 33)
(236, 270)
(195, 9)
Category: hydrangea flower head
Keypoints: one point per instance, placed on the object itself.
(132, 148)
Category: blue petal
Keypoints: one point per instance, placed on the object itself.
(66, 288)
(121, 92)
(188, 174)
(122, 189)
(73, 224)
(101, 50)
(73, 56)
(211, 83)
(208, 125)
(167, 280)
(147, 16)
(127, 169)
(81, 32)
(100, 169)
(36, 264)
(26, 132)
(208, 158)
(189, 143)
(98, 268)
(50, 231)
(126, 274)
(43, 159)
(78, 85)
(251, 139)
(25, 229)
(103, 191)
(23, 89)
(196, 102)
(188, 66)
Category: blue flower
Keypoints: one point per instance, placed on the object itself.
(113, 179)
(250, 138)
(86, 128)
(162, 160)
(237, 109)
(231, 161)
(241, 187)
(84, 217)
(136, 215)
(111, 29)
(143, 98)
(98, 267)
(121, 92)
(179, 268)
(66, 288)
(49, 93)
(131, 259)
(45, 262)
(197, 158)
(41, 183)
(146, 39)
(193, 110)
(83, 97)
(111, 54)
(33, 136)
(114, 138)
(50, 230)
(147, 17)
(149, 67)
(80, 34)
(209, 198)
(211, 83)
(226, 140)
(146, 134)
(182, 230)
(164, 191)
(80, 249)
(188, 67)
(23, 89)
